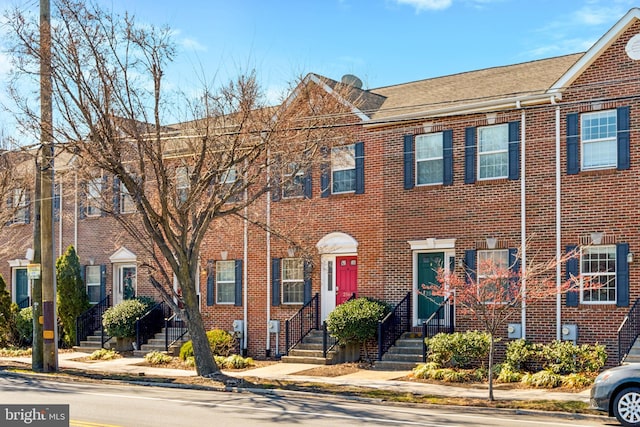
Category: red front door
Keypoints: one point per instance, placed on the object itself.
(346, 278)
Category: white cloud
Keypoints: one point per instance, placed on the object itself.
(421, 5)
(192, 44)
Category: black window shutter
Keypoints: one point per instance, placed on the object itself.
(325, 171)
(10, 209)
(470, 265)
(624, 155)
(275, 282)
(103, 187)
(573, 141)
(276, 189)
(409, 179)
(82, 211)
(359, 152)
(514, 260)
(447, 156)
(307, 185)
(572, 270)
(27, 211)
(211, 274)
(470, 155)
(83, 274)
(307, 282)
(103, 281)
(238, 295)
(622, 275)
(514, 150)
(56, 202)
(116, 195)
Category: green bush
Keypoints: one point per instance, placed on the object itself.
(72, 295)
(523, 355)
(561, 357)
(542, 379)
(578, 381)
(509, 375)
(120, 320)
(157, 358)
(222, 343)
(104, 354)
(7, 316)
(24, 325)
(233, 362)
(356, 321)
(460, 350)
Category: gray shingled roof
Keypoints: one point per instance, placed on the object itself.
(529, 78)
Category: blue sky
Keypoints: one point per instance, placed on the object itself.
(383, 42)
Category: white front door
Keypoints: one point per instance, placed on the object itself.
(125, 282)
(328, 283)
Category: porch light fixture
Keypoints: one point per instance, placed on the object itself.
(29, 255)
(291, 252)
(91, 260)
(223, 255)
(491, 242)
(630, 257)
(596, 238)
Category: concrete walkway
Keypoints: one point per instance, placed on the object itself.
(387, 380)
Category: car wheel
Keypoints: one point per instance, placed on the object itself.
(626, 407)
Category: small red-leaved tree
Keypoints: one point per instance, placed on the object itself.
(495, 290)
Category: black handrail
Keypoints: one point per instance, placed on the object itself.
(441, 321)
(396, 323)
(151, 323)
(91, 320)
(304, 321)
(329, 341)
(628, 331)
(24, 303)
(174, 330)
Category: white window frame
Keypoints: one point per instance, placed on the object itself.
(502, 151)
(19, 205)
(183, 183)
(491, 254)
(288, 268)
(226, 281)
(343, 158)
(92, 284)
(609, 140)
(93, 203)
(293, 182)
(126, 201)
(427, 138)
(607, 278)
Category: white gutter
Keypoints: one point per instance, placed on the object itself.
(245, 276)
(60, 216)
(523, 223)
(75, 214)
(558, 231)
(478, 107)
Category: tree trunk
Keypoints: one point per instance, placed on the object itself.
(491, 367)
(204, 361)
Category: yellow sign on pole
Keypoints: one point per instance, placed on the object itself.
(33, 271)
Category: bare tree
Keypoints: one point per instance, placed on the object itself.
(111, 108)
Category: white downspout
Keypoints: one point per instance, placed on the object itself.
(60, 216)
(523, 222)
(75, 214)
(245, 275)
(558, 231)
(268, 244)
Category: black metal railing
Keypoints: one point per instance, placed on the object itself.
(328, 341)
(91, 321)
(441, 321)
(397, 322)
(174, 330)
(628, 331)
(151, 323)
(24, 303)
(303, 322)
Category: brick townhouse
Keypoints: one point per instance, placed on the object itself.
(447, 171)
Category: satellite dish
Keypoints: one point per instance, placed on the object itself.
(351, 80)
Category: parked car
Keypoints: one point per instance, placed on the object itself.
(616, 391)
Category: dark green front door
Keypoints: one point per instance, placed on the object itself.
(428, 265)
(22, 287)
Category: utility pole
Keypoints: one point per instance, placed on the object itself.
(50, 329)
(36, 288)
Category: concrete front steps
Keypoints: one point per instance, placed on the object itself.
(634, 354)
(93, 343)
(309, 350)
(158, 343)
(404, 355)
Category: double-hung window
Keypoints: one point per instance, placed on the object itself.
(598, 274)
(493, 275)
(493, 152)
(126, 201)
(293, 181)
(598, 134)
(343, 169)
(292, 281)
(182, 183)
(20, 206)
(92, 278)
(93, 205)
(225, 282)
(429, 158)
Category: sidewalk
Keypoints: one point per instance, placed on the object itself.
(387, 380)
